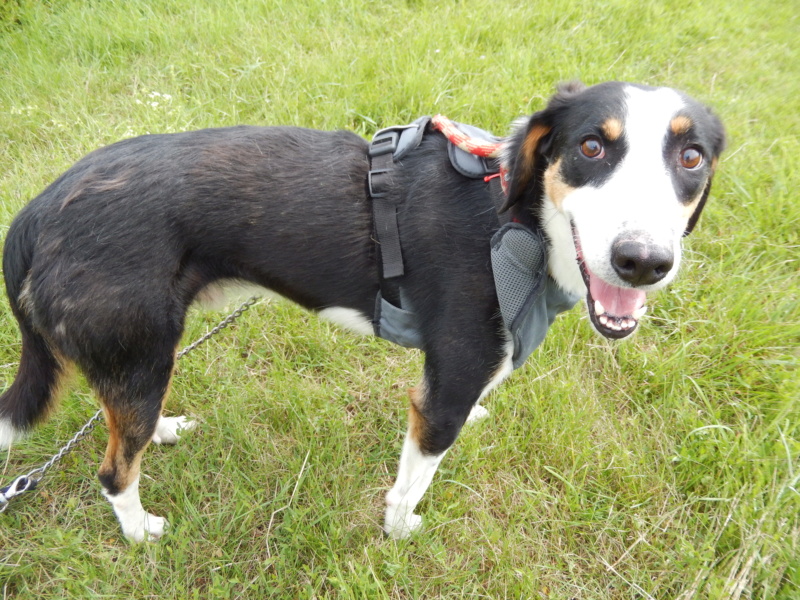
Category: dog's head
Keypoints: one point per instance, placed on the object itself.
(615, 174)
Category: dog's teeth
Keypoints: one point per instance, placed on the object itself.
(639, 312)
(603, 319)
(615, 326)
(599, 309)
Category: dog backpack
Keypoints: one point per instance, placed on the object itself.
(529, 298)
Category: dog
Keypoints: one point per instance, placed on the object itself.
(102, 266)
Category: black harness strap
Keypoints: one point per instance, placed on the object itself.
(379, 181)
(387, 148)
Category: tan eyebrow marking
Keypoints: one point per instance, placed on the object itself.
(680, 124)
(612, 129)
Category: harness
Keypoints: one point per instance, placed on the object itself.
(529, 298)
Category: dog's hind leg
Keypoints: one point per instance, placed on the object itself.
(439, 408)
(132, 406)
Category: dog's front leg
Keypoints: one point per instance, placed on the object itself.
(437, 413)
(414, 475)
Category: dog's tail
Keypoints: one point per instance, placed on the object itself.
(40, 372)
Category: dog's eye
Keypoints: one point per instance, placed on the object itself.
(691, 158)
(592, 147)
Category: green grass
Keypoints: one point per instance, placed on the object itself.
(664, 467)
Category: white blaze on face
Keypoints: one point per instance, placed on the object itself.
(638, 197)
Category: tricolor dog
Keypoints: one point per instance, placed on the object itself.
(102, 266)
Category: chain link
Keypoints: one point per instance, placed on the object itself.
(29, 481)
(222, 325)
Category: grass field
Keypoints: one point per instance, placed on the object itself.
(664, 467)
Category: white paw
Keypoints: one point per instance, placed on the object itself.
(477, 413)
(147, 528)
(169, 429)
(400, 525)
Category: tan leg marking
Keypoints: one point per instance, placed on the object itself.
(124, 471)
(416, 422)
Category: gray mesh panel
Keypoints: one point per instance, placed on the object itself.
(518, 263)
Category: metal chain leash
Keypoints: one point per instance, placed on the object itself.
(29, 481)
(222, 325)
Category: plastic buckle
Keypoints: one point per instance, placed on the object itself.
(384, 142)
(372, 192)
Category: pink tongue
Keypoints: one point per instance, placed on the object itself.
(618, 302)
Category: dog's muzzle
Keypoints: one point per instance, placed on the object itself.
(615, 311)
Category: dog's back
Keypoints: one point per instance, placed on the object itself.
(101, 267)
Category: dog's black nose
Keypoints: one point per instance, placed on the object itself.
(639, 262)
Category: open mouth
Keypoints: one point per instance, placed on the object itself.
(614, 311)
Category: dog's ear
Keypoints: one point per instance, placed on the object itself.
(522, 157)
(716, 134)
(567, 89)
(525, 154)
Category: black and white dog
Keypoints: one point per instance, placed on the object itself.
(101, 268)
